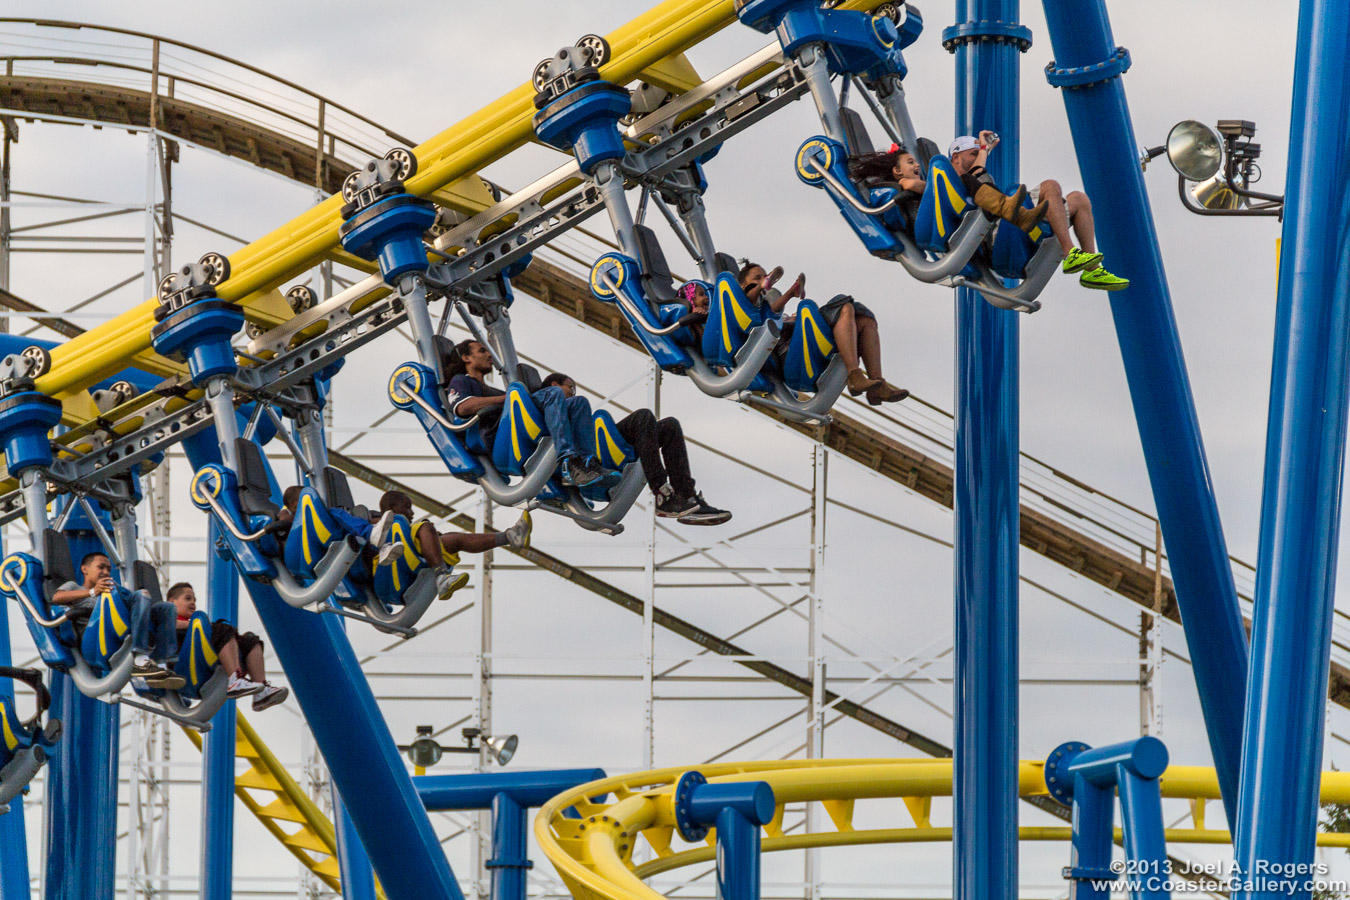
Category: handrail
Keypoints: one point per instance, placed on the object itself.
(815, 166)
(635, 315)
(594, 853)
(79, 26)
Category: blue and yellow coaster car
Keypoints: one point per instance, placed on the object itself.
(735, 356)
(248, 517)
(24, 744)
(392, 595)
(946, 239)
(197, 702)
(100, 660)
(521, 446)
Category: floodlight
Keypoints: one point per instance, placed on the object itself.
(1195, 150)
(426, 750)
(1216, 193)
(501, 748)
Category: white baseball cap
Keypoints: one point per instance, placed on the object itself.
(964, 142)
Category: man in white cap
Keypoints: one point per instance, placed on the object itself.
(1067, 216)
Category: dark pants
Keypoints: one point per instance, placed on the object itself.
(222, 632)
(972, 182)
(660, 448)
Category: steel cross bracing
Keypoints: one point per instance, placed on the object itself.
(157, 425)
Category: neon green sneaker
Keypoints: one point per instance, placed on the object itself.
(1099, 279)
(1078, 260)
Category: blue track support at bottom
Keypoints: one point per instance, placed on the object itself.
(81, 804)
(81, 807)
(13, 837)
(366, 766)
(362, 757)
(222, 602)
(509, 861)
(358, 879)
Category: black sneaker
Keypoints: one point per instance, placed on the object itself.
(703, 514)
(669, 506)
(579, 471)
(156, 676)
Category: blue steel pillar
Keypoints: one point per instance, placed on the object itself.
(13, 837)
(987, 41)
(81, 807)
(222, 602)
(358, 879)
(1305, 456)
(1088, 65)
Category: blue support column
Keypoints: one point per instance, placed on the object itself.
(222, 600)
(1150, 347)
(354, 738)
(1305, 456)
(81, 808)
(510, 860)
(358, 879)
(986, 497)
(13, 837)
(366, 766)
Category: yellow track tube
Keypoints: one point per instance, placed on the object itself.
(487, 135)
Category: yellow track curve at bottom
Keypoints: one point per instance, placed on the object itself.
(594, 853)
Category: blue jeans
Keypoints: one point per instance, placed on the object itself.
(154, 627)
(568, 420)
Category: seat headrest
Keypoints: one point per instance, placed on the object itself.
(255, 489)
(58, 565)
(855, 133)
(530, 377)
(656, 277)
(336, 489)
(925, 152)
(445, 350)
(145, 578)
(726, 263)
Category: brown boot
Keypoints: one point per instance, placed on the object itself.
(1004, 207)
(885, 392)
(859, 382)
(1028, 219)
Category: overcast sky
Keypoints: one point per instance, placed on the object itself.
(420, 67)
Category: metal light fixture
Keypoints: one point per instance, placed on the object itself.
(1195, 150)
(426, 751)
(501, 748)
(1216, 168)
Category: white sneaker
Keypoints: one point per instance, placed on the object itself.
(518, 535)
(270, 696)
(449, 582)
(241, 686)
(388, 552)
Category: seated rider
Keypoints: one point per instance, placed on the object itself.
(152, 624)
(659, 445)
(425, 535)
(1063, 214)
(240, 654)
(900, 166)
(568, 418)
(854, 326)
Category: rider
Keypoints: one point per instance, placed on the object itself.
(856, 335)
(659, 444)
(424, 533)
(1064, 214)
(231, 647)
(568, 418)
(152, 624)
(900, 166)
